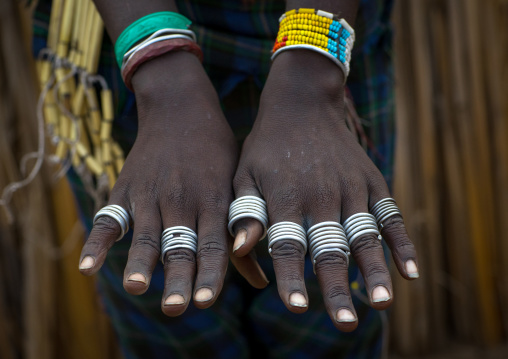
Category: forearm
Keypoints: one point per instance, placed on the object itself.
(118, 14)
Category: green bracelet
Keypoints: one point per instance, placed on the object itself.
(146, 26)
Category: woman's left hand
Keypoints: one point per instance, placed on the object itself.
(302, 159)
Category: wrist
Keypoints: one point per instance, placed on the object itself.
(311, 67)
(303, 78)
(166, 75)
(173, 92)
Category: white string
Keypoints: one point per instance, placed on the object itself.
(99, 193)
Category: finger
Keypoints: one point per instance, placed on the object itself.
(179, 263)
(145, 248)
(250, 269)
(179, 272)
(368, 251)
(248, 231)
(395, 234)
(104, 234)
(331, 269)
(212, 256)
(332, 272)
(288, 258)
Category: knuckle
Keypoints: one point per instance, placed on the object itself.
(216, 200)
(394, 222)
(176, 195)
(375, 268)
(179, 256)
(366, 244)
(287, 249)
(95, 245)
(330, 261)
(212, 249)
(241, 180)
(286, 197)
(151, 189)
(286, 275)
(353, 184)
(146, 241)
(337, 291)
(106, 226)
(324, 195)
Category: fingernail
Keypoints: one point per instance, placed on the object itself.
(380, 294)
(412, 269)
(240, 239)
(87, 263)
(203, 295)
(297, 300)
(346, 316)
(174, 299)
(137, 277)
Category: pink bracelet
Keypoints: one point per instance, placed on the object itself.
(155, 50)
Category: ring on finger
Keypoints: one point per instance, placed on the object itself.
(248, 207)
(117, 213)
(360, 224)
(178, 237)
(286, 231)
(327, 237)
(385, 209)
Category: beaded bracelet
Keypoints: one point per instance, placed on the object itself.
(318, 31)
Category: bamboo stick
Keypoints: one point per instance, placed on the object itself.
(95, 43)
(54, 24)
(455, 230)
(494, 52)
(78, 19)
(429, 169)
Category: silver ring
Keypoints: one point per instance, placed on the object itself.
(248, 207)
(286, 230)
(360, 224)
(119, 214)
(327, 237)
(178, 237)
(385, 209)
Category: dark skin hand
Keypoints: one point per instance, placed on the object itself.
(178, 173)
(301, 158)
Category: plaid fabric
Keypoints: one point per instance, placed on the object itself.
(236, 38)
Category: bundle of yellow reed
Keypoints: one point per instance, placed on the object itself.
(78, 124)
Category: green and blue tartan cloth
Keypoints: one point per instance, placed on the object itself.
(236, 38)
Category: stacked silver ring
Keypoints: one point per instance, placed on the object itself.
(284, 231)
(385, 209)
(327, 237)
(248, 207)
(360, 224)
(178, 237)
(119, 214)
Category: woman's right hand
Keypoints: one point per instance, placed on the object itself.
(179, 173)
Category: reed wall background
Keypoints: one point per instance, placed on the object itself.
(451, 184)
